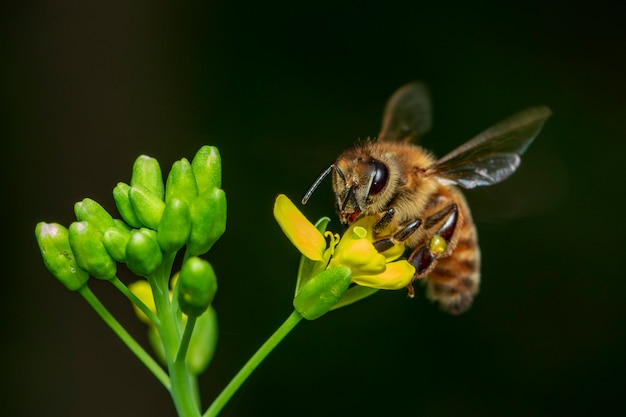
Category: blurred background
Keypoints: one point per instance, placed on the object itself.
(282, 88)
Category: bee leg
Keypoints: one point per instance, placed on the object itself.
(446, 231)
(408, 229)
(435, 218)
(410, 290)
(400, 236)
(423, 258)
(384, 220)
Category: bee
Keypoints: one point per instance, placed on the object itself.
(417, 197)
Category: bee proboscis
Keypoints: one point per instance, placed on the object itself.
(417, 197)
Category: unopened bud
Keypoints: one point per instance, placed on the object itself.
(91, 211)
(319, 294)
(143, 253)
(147, 205)
(147, 173)
(54, 244)
(207, 168)
(203, 342)
(91, 255)
(115, 240)
(181, 183)
(197, 286)
(208, 221)
(175, 225)
(122, 201)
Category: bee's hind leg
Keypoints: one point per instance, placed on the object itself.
(424, 257)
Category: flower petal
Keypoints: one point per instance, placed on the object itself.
(302, 233)
(397, 275)
(366, 224)
(360, 256)
(143, 291)
(394, 252)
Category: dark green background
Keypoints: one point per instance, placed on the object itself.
(281, 89)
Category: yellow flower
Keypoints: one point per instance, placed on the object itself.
(205, 332)
(143, 291)
(304, 236)
(355, 249)
(397, 275)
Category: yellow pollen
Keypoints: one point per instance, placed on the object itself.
(437, 245)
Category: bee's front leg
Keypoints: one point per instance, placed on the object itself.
(384, 220)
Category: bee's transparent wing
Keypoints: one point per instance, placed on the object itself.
(493, 155)
(408, 113)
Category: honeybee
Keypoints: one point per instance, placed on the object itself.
(417, 197)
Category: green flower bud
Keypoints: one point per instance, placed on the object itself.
(203, 342)
(121, 225)
(115, 240)
(147, 173)
(143, 253)
(207, 168)
(197, 286)
(319, 294)
(147, 205)
(54, 244)
(122, 201)
(181, 182)
(91, 255)
(92, 212)
(208, 221)
(175, 225)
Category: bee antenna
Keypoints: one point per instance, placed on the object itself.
(319, 179)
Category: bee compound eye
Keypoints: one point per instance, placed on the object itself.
(380, 174)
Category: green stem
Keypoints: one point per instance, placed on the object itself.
(193, 380)
(252, 363)
(135, 300)
(183, 388)
(184, 343)
(128, 340)
(181, 357)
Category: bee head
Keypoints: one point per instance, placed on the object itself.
(361, 184)
(358, 184)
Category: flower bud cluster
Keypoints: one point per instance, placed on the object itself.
(158, 219)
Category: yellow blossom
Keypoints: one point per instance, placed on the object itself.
(304, 236)
(355, 249)
(143, 291)
(396, 276)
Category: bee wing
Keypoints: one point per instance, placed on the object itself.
(408, 113)
(493, 155)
